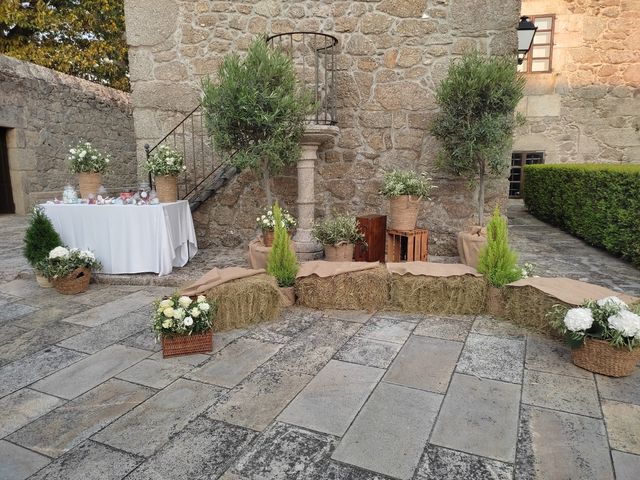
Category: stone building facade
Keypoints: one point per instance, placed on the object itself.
(391, 56)
(587, 107)
(43, 113)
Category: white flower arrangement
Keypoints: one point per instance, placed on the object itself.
(61, 261)
(181, 315)
(165, 161)
(528, 270)
(266, 221)
(85, 158)
(625, 322)
(612, 302)
(577, 319)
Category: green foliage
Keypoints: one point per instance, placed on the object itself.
(255, 113)
(40, 238)
(475, 125)
(82, 38)
(282, 262)
(165, 161)
(400, 182)
(598, 203)
(497, 261)
(85, 158)
(337, 230)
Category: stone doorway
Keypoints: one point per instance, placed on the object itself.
(6, 197)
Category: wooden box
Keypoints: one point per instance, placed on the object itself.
(374, 228)
(410, 245)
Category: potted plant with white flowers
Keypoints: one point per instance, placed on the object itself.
(338, 234)
(165, 163)
(406, 190)
(89, 163)
(604, 335)
(69, 269)
(267, 222)
(184, 324)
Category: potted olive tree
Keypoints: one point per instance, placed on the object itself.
(338, 234)
(255, 112)
(475, 125)
(406, 190)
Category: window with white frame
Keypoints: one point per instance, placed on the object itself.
(538, 59)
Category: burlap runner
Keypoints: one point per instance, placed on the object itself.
(469, 245)
(331, 269)
(218, 276)
(258, 253)
(429, 269)
(573, 292)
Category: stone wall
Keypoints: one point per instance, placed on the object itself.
(46, 113)
(392, 54)
(586, 110)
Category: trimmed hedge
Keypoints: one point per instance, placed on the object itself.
(599, 203)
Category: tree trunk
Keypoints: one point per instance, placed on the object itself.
(481, 193)
(266, 182)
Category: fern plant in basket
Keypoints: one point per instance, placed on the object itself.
(184, 324)
(405, 190)
(39, 239)
(338, 234)
(604, 335)
(69, 269)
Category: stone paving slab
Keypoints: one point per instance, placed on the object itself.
(625, 389)
(235, 362)
(22, 288)
(488, 325)
(116, 308)
(144, 340)
(387, 329)
(425, 363)
(12, 312)
(497, 358)
(357, 316)
(445, 327)
(368, 351)
(623, 425)
(69, 425)
(154, 373)
(260, 398)
(6, 298)
(390, 432)
(89, 372)
(555, 444)
(402, 316)
(29, 369)
(48, 316)
(162, 416)
(90, 461)
(479, 416)
(17, 463)
(204, 449)
(626, 465)
(100, 337)
(193, 360)
(9, 332)
(551, 356)
(559, 392)
(222, 339)
(330, 402)
(443, 464)
(22, 407)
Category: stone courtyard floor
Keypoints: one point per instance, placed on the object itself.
(85, 394)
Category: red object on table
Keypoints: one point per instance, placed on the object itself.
(374, 228)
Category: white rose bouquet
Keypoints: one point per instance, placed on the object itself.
(61, 261)
(267, 221)
(165, 161)
(608, 319)
(181, 315)
(85, 158)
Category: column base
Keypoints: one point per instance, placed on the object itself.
(306, 247)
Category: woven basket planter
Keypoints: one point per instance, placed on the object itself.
(167, 188)
(599, 357)
(187, 344)
(76, 282)
(267, 237)
(89, 184)
(339, 253)
(403, 212)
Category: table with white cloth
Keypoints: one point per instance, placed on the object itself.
(129, 238)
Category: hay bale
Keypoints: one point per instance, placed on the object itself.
(528, 306)
(453, 295)
(245, 301)
(363, 290)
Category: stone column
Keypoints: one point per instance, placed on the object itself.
(315, 136)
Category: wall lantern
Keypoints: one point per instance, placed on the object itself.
(526, 32)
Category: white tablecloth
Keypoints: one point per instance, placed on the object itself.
(129, 238)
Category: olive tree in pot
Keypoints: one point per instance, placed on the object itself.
(477, 118)
(256, 110)
(338, 234)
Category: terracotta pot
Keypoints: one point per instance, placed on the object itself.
(187, 344)
(89, 183)
(339, 253)
(287, 296)
(599, 356)
(43, 281)
(167, 188)
(267, 237)
(496, 303)
(403, 212)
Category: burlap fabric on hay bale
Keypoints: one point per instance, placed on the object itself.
(245, 301)
(363, 290)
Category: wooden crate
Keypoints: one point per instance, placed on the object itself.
(374, 228)
(410, 245)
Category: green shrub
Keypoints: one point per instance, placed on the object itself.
(596, 202)
(282, 262)
(40, 238)
(497, 262)
(337, 230)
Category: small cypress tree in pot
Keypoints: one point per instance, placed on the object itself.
(39, 239)
(282, 262)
